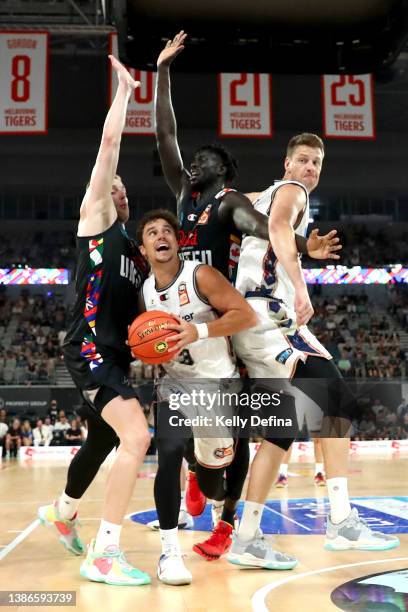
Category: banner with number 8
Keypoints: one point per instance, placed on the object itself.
(23, 82)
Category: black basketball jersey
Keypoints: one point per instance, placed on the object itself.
(110, 272)
(203, 237)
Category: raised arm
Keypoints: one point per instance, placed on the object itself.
(166, 127)
(235, 312)
(238, 208)
(98, 211)
(289, 202)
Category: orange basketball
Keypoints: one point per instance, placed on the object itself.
(147, 336)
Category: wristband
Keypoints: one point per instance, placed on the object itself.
(202, 330)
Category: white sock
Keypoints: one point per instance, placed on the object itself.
(183, 501)
(339, 499)
(283, 470)
(108, 535)
(250, 521)
(169, 540)
(67, 506)
(319, 467)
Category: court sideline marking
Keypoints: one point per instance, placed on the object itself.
(7, 549)
(287, 518)
(258, 598)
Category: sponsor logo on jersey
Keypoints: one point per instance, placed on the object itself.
(205, 215)
(203, 256)
(163, 297)
(188, 238)
(161, 346)
(284, 355)
(191, 217)
(183, 295)
(221, 453)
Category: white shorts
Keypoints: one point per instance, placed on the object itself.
(272, 350)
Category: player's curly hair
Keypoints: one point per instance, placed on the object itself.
(230, 163)
(153, 215)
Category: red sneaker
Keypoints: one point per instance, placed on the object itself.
(320, 480)
(217, 544)
(195, 500)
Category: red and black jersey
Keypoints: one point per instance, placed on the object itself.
(204, 237)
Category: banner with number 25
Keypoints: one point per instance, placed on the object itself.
(23, 82)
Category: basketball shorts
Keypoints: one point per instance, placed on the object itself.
(198, 404)
(99, 384)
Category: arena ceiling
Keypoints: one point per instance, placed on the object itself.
(294, 36)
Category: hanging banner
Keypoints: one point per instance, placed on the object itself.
(140, 111)
(23, 82)
(245, 105)
(348, 106)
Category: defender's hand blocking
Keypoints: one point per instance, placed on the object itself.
(187, 333)
(124, 75)
(323, 247)
(172, 49)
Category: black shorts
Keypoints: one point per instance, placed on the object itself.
(102, 384)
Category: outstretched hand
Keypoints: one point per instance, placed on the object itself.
(323, 247)
(123, 73)
(172, 49)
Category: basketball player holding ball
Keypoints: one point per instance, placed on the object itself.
(213, 218)
(193, 293)
(110, 273)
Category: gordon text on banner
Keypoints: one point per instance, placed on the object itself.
(245, 105)
(23, 82)
(140, 110)
(348, 106)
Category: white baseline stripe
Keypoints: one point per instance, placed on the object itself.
(18, 539)
(287, 518)
(258, 599)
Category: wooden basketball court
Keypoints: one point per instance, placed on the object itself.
(31, 558)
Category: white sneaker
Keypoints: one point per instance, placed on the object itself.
(185, 521)
(354, 533)
(171, 569)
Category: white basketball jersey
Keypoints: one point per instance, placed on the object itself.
(259, 272)
(208, 358)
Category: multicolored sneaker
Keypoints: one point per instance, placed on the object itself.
(354, 533)
(185, 521)
(171, 569)
(111, 567)
(66, 528)
(195, 499)
(258, 553)
(217, 544)
(320, 479)
(282, 482)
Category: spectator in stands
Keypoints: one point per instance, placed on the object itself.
(42, 434)
(73, 435)
(12, 441)
(53, 411)
(404, 427)
(61, 425)
(3, 431)
(402, 409)
(26, 433)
